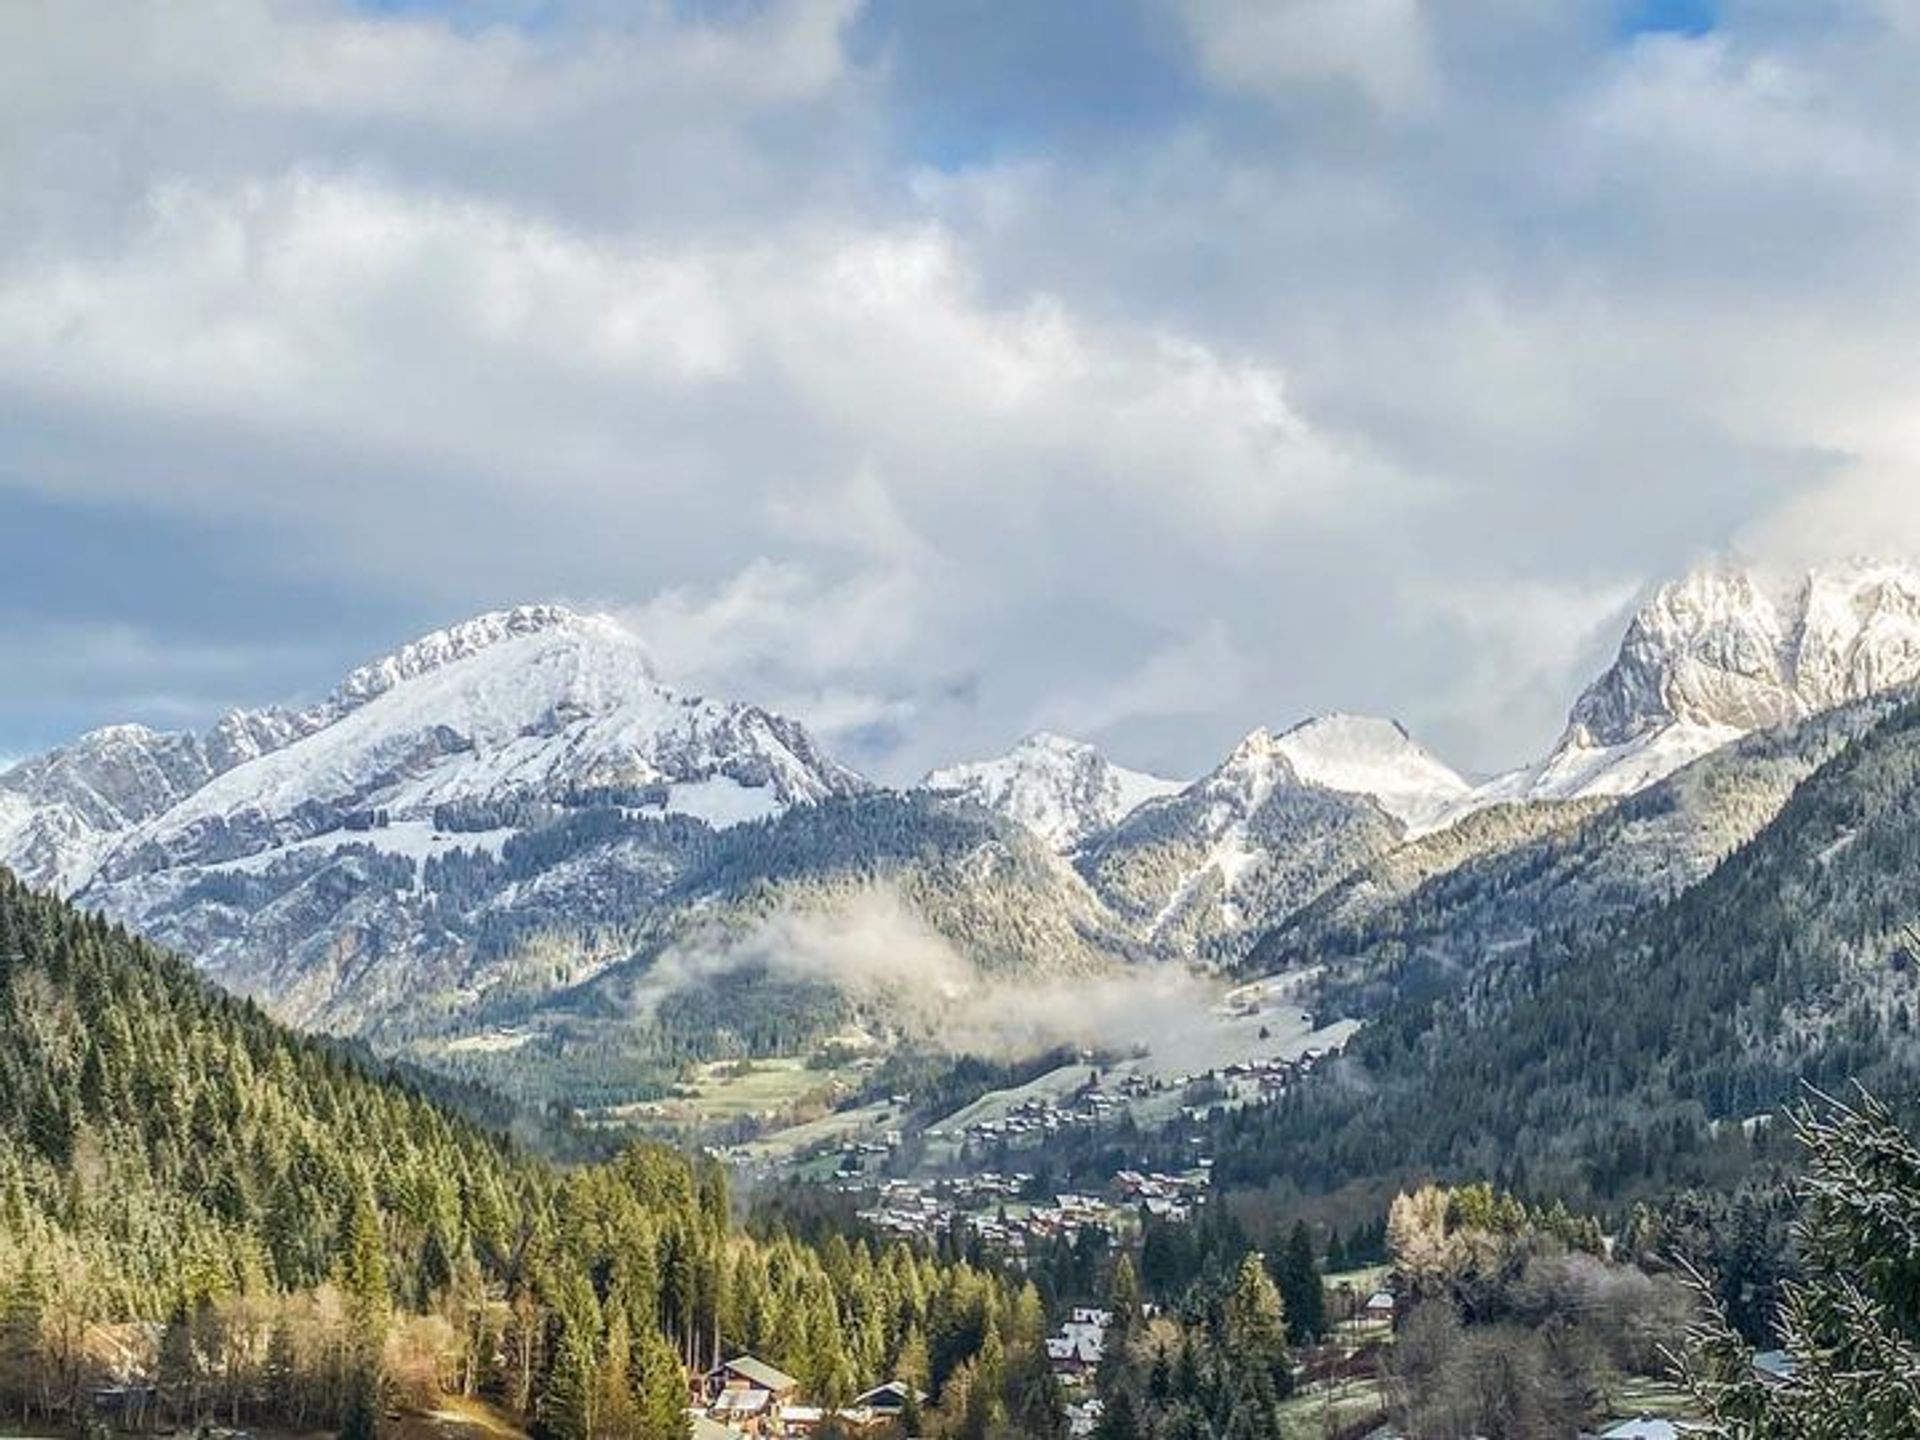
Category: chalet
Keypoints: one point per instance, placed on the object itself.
(886, 1402)
(754, 1375)
(1380, 1306)
(743, 1409)
(749, 1395)
(1077, 1350)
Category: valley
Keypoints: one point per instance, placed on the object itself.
(1040, 1017)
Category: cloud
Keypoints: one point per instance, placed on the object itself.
(1377, 48)
(1276, 358)
(903, 974)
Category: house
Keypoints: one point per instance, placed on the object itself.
(1380, 1306)
(886, 1402)
(1083, 1419)
(750, 1373)
(1077, 1350)
(1773, 1367)
(749, 1395)
(743, 1409)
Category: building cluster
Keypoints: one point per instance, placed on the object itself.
(990, 1208)
(1074, 1355)
(1164, 1197)
(1250, 1081)
(1039, 1116)
(746, 1396)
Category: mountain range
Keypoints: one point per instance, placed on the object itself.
(507, 827)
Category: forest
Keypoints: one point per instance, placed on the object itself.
(303, 1243)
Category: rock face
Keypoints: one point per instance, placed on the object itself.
(1064, 791)
(1742, 650)
(1722, 653)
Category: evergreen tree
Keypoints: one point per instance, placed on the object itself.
(1301, 1288)
(1850, 1326)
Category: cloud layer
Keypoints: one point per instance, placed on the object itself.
(939, 380)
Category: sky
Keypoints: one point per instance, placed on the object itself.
(937, 371)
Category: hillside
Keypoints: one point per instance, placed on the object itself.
(1615, 1052)
(283, 1237)
(1422, 917)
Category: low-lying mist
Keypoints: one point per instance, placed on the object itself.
(874, 948)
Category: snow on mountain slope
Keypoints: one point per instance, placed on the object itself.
(1721, 653)
(527, 704)
(1064, 791)
(523, 705)
(1362, 755)
(1273, 825)
(61, 812)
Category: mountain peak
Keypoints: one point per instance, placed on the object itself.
(1728, 649)
(469, 637)
(529, 704)
(1743, 648)
(1062, 789)
(1355, 754)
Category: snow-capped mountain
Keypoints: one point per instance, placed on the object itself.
(1363, 755)
(1065, 791)
(522, 705)
(1280, 819)
(1721, 653)
(515, 813)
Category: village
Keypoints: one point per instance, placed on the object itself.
(1001, 1212)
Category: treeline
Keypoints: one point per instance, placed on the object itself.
(299, 1242)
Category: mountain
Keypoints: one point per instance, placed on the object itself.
(1065, 791)
(1276, 823)
(1361, 755)
(514, 822)
(1723, 652)
(518, 706)
(1634, 1050)
(1423, 917)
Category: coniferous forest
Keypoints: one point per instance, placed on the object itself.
(301, 1243)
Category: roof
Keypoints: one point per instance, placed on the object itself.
(742, 1401)
(759, 1372)
(1774, 1364)
(1647, 1427)
(704, 1428)
(894, 1390)
(1380, 1300)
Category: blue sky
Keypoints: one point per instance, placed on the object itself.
(938, 371)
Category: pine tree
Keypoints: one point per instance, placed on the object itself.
(1123, 1298)
(22, 1321)
(662, 1390)
(1851, 1325)
(1301, 1288)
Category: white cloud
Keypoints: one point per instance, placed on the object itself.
(1271, 403)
